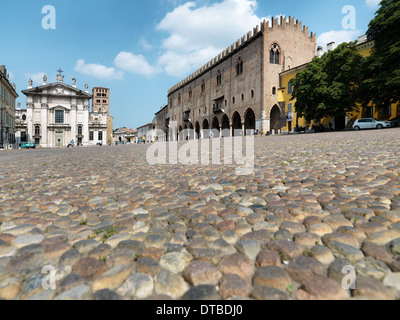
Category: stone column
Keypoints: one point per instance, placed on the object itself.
(30, 107)
(73, 123)
(86, 124)
(44, 123)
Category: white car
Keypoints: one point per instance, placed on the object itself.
(371, 124)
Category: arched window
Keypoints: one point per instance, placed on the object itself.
(252, 94)
(233, 100)
(274, 90)
(80, 131)
(37, 130)
(242, 97)
(274, 54)
(179, 99)
(203, 87)
(219, 78)
(239, 67)
(190, 93)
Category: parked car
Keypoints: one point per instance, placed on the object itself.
(28, 145)
(371, 124)
(395, 122)
(99, 144)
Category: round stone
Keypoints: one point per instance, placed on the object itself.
(201, 272)
(234, 286)
(238, 264)
(274, 277)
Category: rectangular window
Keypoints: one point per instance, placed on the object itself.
(59, 117)
(289, 107)
(203, 87)
(219, 79)
(100, 135)
(290, 88)
(386, 110)
(91, 135)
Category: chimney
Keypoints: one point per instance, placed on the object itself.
(331, 46)
(320, 52)
(362, 39)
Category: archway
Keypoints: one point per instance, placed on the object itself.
(191, 131)
(206, 129)
(249, 122)
(275, 116)
(236, 124)
(179, 133)
(226, 132)
(215, 128)
(197, 126)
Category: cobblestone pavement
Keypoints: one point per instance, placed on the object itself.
(114, 227)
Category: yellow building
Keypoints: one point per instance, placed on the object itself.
(287, 106)
(8, 96)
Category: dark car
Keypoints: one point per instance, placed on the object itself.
(395, 122)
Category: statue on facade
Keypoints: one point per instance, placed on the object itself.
(44, 78)
(73, 81)
(30, 82)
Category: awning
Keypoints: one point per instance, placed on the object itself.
(220, 98)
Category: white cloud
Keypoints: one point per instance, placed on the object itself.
(134, 63)
(37, 78)
(144, 44)
(98, 71)
(373, 3)
(338, 37)
(198, 33)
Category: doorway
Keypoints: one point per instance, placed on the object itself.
(59, 139)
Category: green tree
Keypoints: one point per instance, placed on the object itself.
(381, 83)
(328, 86)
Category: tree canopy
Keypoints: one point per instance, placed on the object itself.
(328, 86)
(381, 78)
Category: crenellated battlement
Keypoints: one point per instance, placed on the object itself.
(264, 27)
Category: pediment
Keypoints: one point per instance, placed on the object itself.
(57, 89)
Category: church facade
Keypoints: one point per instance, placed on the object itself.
(58, 114)
(237, 91)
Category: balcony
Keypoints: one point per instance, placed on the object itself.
(186, 116)
(218, 105)
(217, 108)
(59, 125)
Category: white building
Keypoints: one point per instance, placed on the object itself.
(148, 131)
(58, 113)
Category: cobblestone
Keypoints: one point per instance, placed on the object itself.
(311, 207)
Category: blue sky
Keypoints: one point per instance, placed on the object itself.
(140, 49)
